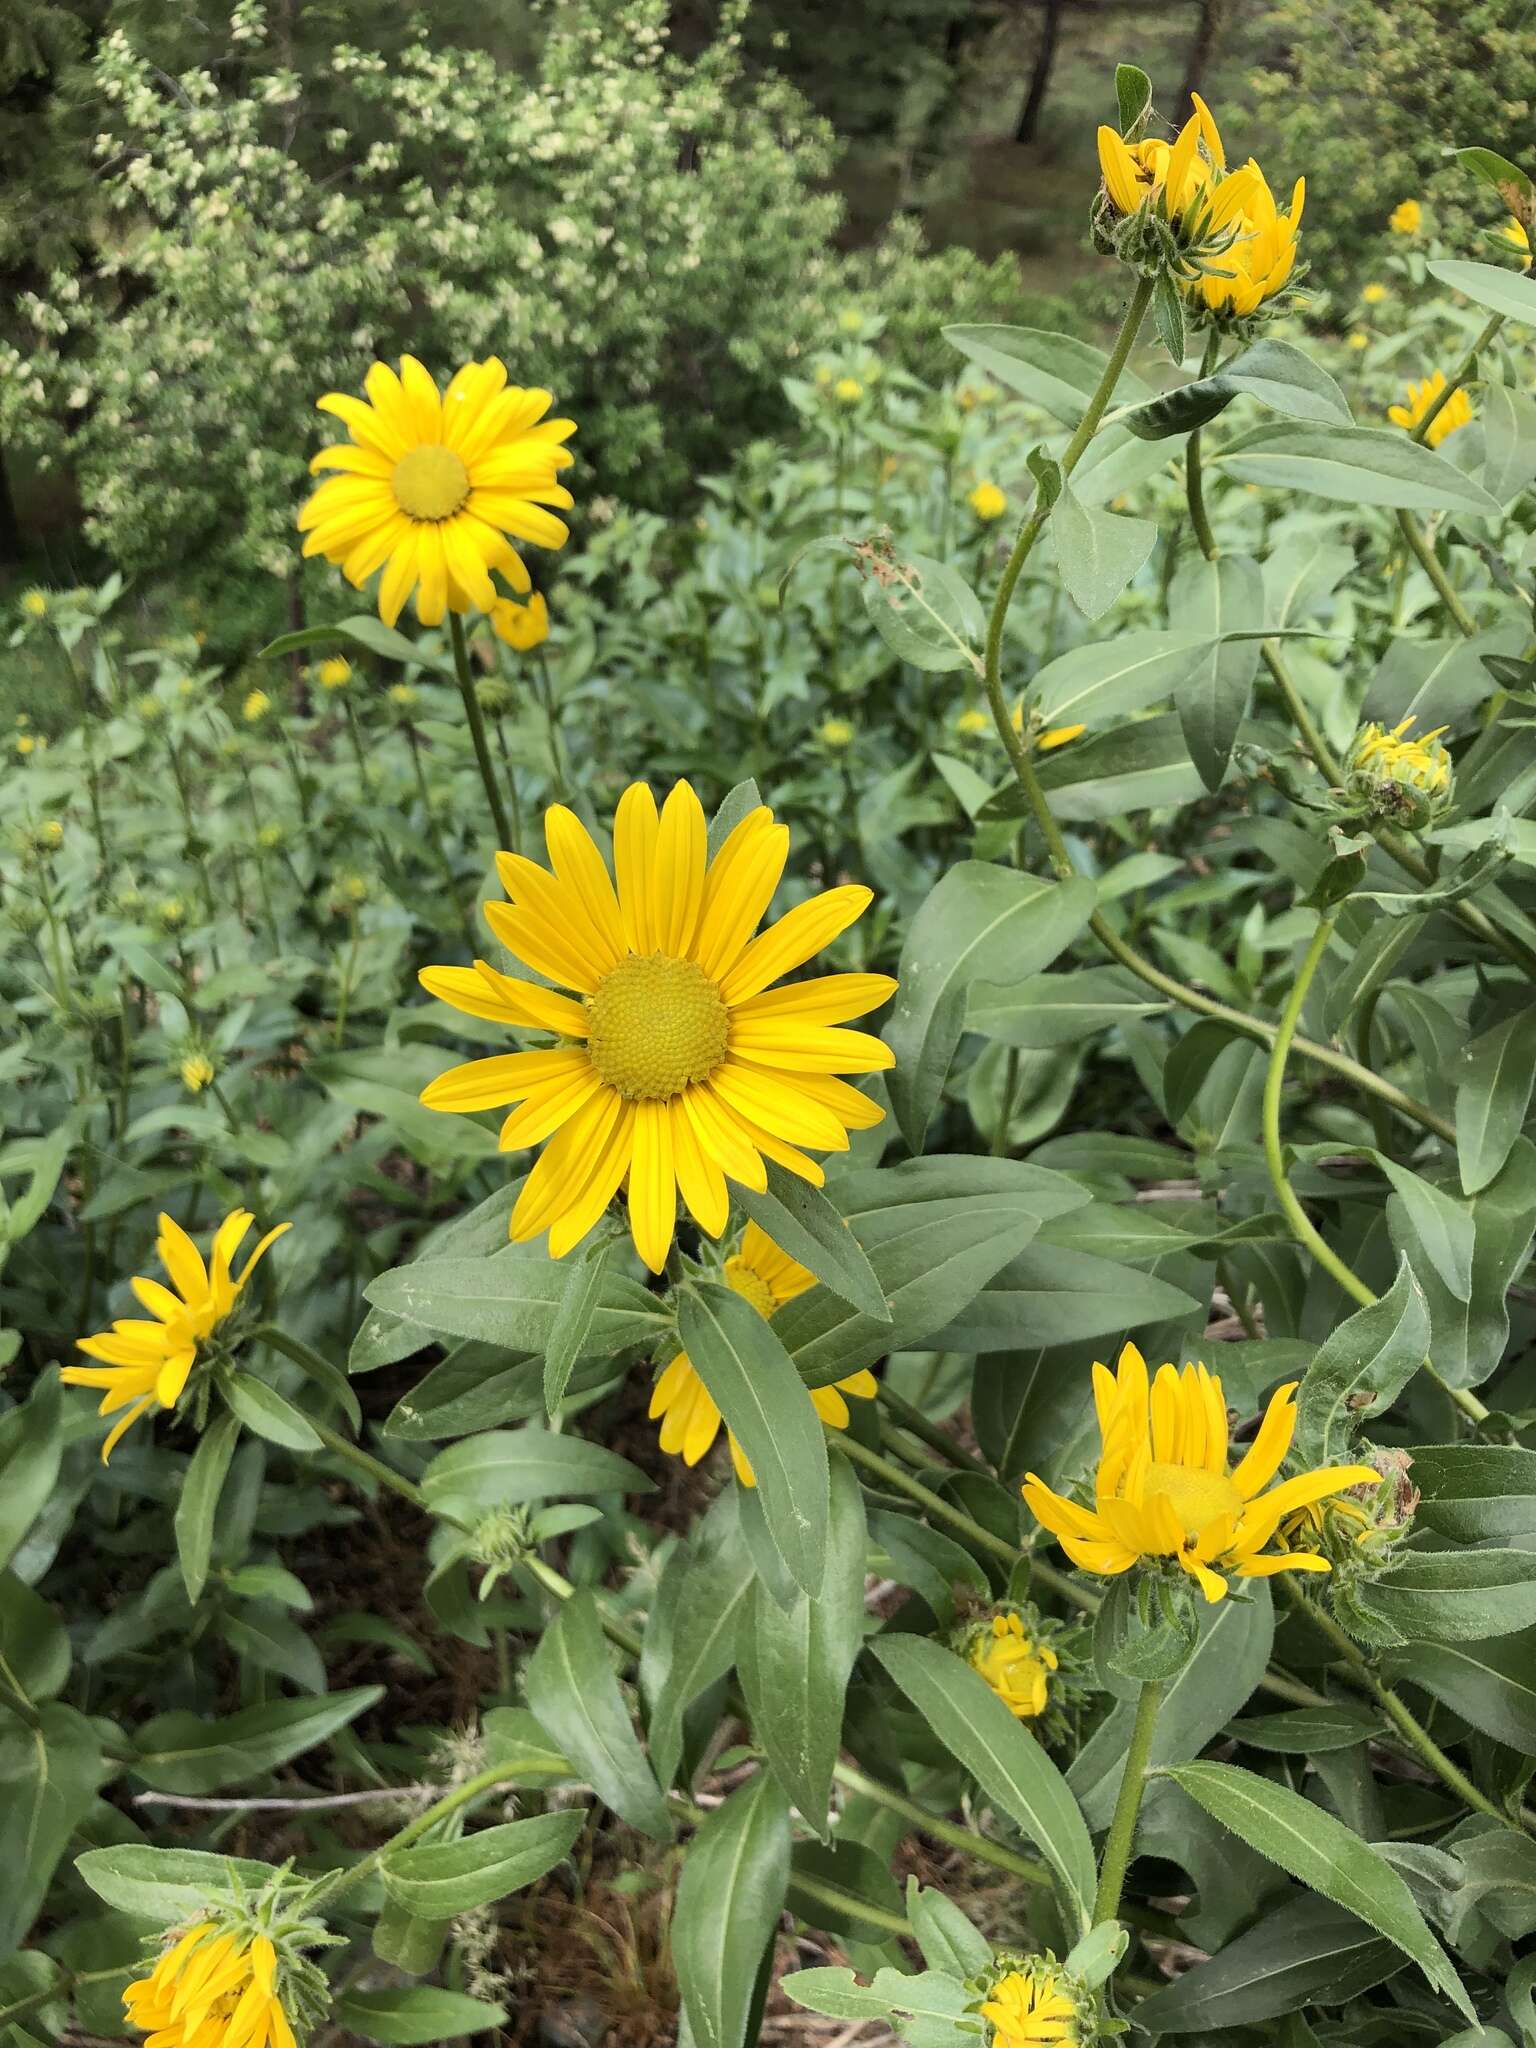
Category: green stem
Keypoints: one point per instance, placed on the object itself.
(1430, 563)
(66, 1982)
(1005, 1104)
(912, 1418)
(556, 1583)
(935, 1504)
(1194, 491)
(949, 1832)
(476, 719)
(436, 837)
(343, 1447)
(1122, 1829)
(551, 723)
(858, 1909)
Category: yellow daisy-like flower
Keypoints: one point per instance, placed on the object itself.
(1359, 339)
(690, 1421)
(148, 1363)
(437, 486)
(1390, 756)
(196, 1072)
(1456, 412)
(1406, 218)
(1017, 1668)
(211, 1990)
(1173, 174)
(522, 626)
(334, 673)
(847, 390)
(35, 603)
(835, 733)
(678, 1065)
(1373, 294)
(1163, 1489)
(255, 706)
(1032, 2008)
(26, 743)
(1259, 261)
(988, 502)
(973, 724)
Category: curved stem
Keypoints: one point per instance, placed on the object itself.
(476, 719)
(376, 1469)
(1194, 492)
(1430, 563)
(912, 1418)
(1133, 1782)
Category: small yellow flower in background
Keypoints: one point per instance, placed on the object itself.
(196, 1072)
(256, 706)
(823, 376)
(1373, 294)
(1456, 412)
(1163, 1491)
(437, 486)
(171, 911)
(211, 1990)
(836, 733)
(851, 320)
(270, 837)
(148, 1363)
(1359, 339)
(523, 626)
(26, 743)
(973, 724)
(1034, 2006)
(1017, 1668)
(987, 501)
(1406, 218)
(676, 1064)
(690, 1421)
(402, 696)
(847, 390)
(35, 603)
(334, 673)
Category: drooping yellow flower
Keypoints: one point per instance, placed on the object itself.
(437, 486)
(1258, 262)
(1373, 294)
(1017, 1668)
(196, 1072)
(523, 626)
(334, 673)
(690, 1421)
(835, 733)
(988, 502)
(147, 1363)
(1033, 2007)
(1173, 173)
(1054, 736)
(677, 1064)
(1163, 1490)
(211, 1990)
(255, 706)
(1456, 411)
(1406, 218)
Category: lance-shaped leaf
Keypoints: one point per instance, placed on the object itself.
(1509, 292)
(802, 1222)
(1356, 466)
(1493, 1093)
(1214, 598)
(574, 1693)
(923, 611)
(445, 1879)
(1360, 1371)
(729, 1898)
(1053, 370)
(1280, 376)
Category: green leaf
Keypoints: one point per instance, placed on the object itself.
(413, 2015)
(1097, 552)
(1468, 1338)
(1509, 437)
(49, 1774)
(448, 1878)
(1493, 1093)
(795, 1663)
(1133, 95)
(1491, 1685)
(1508, 292)
(574, 1693)
(1309, 1952)
(570, 1333)
(1507, 179)
(949, 1941)
(1326, 1856)
(1049, 1295)
(693, 1626)
(802, 1222)
(1051, 370)
(503, 1468)
(185, 1752)
(1107, 679)
(31, 1445)
(978, 920)
(34, 1649)
(753, 1382)
(1212, 699)
(1006, 1761)
(1140, 766)
(924, 612)
(1308, 1731)
(729, 1897)
(511, 1300)
(1360, 1371)
(1047, 1010)
(1355, 466)
(367, 635)
(1455, 1596)
(1471, 1492)
(199, 1502)
(266, 1412)
(1276, 373)
(1441, 1224)
(165, 1885)
(930, 2009)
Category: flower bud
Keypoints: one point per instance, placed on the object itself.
(1409, 782)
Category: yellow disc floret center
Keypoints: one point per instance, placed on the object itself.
(750, 1285)
(1198, 1497)
(430, 483)
(655, 1025)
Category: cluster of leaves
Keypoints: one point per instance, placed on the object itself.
(1335, 1843)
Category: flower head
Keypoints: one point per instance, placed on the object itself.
(145, 1364)
(847, 390)
(255, 707)
(1046, 741)
(1373, 294)
(1257, 263)
(436, 486)
(26, 743)
(402, 696)
(1033, 2003)
(1163, 1492)
(1392, 776)
(988, 502)
(835, 733)
(523, 626)
(1014, 1664)
(972, 723)
(675, 1064)
(238, 1977)
(690, 1421)
(196, 1072)
(334, 673)
(1456, 411)
(35, 603)
(1406, 218)
(1168, 175)
(1358, 339)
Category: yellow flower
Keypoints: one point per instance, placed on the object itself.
(26, 743)
(973, 724)
(1514, 231)
(523, 626)
(212, 1990)
(988, 502)
(836, 733)
(1456, 411)
(146, 1363)
(401, 695)
(256, 706)
(1259, 261)
(1406, 217)
(35, 603)
(1421, 764)
(1054, 736)
(1359, 339)
(334, 673)
(681, 1066)
(847, 390)
(690, 1421)
(1163, 1490)
(1175, 173)
(434, 485)
(50, 832)
(851, 320)
(1032, 2008)
(1017, 1668)
(196, 1072)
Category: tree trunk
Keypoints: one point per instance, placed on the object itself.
(10, 526)
(1040, 81)
(1208, 28)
